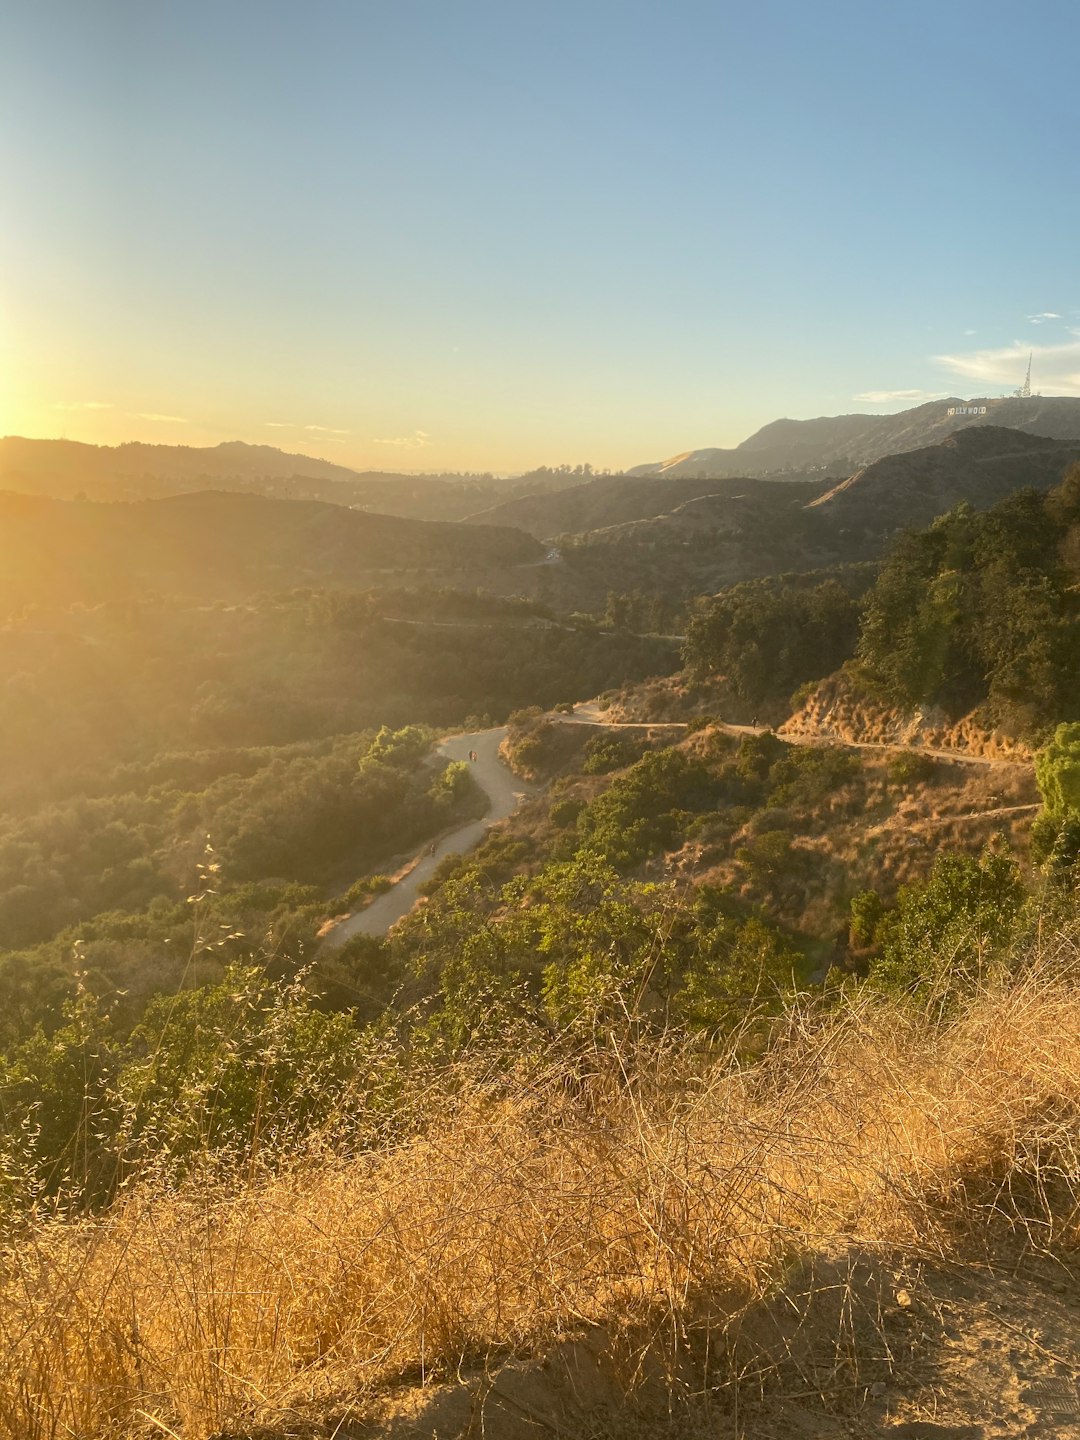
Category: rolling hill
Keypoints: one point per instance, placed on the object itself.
(980, 466)
(63, 468)
(68, 470)
(225, 546)
(624, 500)
(702, 535)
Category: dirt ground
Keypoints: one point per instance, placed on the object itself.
(854, 1346)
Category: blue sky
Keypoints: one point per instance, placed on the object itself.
(416, 234)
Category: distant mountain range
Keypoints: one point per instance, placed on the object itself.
(62, 467)
(849, 442)
(68, 470)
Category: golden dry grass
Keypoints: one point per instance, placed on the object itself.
(661, 1184)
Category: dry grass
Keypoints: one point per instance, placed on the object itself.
(666, 1185)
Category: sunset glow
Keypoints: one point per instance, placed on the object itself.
(486, 236)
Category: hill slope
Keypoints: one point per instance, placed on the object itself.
(219, 545)
(980, 466)
(622, 500)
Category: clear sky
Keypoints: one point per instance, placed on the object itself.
(427, 234)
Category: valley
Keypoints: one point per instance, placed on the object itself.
(539, 722)
(762, 765)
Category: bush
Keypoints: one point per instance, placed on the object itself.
(1057, 769)
(867, 909)
(909, 767)
(808, 774)
(364, 889)
(949, 930)
(605, 753)
(639, 813)
(564, 812)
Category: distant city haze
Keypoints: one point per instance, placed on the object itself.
(422, 237)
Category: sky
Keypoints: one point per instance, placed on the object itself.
(493, 234)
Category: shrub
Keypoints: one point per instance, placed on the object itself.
(564, 812)
(1057, 769)
(910, 767)
(867, 909)
(605, 753)
(949, 930)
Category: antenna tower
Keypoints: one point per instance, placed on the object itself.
(1024, 392)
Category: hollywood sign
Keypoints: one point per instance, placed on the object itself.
(967, 410)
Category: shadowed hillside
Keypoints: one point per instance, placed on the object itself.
(221, 545)
(623, 499)
(980, 466)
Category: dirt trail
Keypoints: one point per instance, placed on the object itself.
(590, 713)
(505, 792)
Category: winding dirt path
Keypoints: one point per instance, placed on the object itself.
(505, 792)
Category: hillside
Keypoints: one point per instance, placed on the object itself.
(622, 500)
(980, 466)
(219, 545)
(689, 537)
(851, 441)
(612, 1164)
(680, 538)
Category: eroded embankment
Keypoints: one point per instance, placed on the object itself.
(836, 709)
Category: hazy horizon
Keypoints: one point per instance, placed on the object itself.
(311, 451)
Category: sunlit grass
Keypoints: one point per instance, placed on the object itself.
(627, 1184)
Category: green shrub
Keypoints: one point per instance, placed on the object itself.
(1057, 769)
(564, 812)
(867, 909)
(605, 753)
(910, 767)
(950, 929)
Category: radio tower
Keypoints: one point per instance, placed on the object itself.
(1024, 392)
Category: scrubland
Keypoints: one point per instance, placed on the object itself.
(664, 1201)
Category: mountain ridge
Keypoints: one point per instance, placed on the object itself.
(853, 441)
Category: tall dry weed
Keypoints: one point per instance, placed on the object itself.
(635, 1184)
